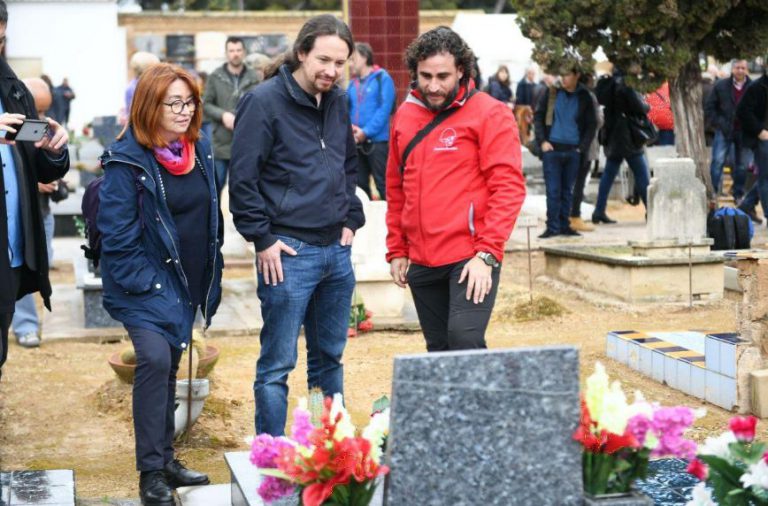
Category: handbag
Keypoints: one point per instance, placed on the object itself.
(641, 130)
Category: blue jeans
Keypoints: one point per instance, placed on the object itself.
(560, 171)
(317, 293)
(639, 167)
(25, 320)
(222, 168)
(759, 192)
(742, 158)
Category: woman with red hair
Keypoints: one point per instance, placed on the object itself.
(160, 257)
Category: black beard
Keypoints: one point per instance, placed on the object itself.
(448, 100)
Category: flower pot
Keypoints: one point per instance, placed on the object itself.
(204, 366)
(633, 498)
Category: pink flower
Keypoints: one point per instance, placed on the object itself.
(743, 427)
(669, 425)
(302, 427)
(272, 489)
(699, 469)
(638, 426)
(265, 449)
(765, 457)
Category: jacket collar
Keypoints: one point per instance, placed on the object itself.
(298, 94)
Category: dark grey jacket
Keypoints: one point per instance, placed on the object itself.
(720, 106)
(221, 95)
(293, 165)
(32, 166)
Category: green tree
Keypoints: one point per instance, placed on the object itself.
(652, 41)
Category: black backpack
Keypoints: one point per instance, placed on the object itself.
(730, 230)
(90, 209)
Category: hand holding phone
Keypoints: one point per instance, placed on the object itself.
(9, 123)
(31, 130)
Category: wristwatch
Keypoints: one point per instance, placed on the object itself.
(488, 259)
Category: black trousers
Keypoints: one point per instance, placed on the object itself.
(450, 321)
(6, 318)
(373, 161)
(154, 397)
(578, 187)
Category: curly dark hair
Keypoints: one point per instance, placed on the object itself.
(440, 40)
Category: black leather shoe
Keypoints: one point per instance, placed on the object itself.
(180, 476)
(154, 489)
(601, 218)
(571, 232)
(547, 234)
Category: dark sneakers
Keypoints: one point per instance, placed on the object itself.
(601, 218)
(180, 476)
(547, 234)
(571, 232)
(154, 489)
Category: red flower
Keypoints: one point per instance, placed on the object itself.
(743, 427)
(699, 469)
(368, 314)
(316, 493)
(615, 442)
(351, 332)
(365, 326)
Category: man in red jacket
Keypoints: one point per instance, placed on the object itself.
(454, 195)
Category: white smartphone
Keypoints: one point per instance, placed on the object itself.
(31, 130)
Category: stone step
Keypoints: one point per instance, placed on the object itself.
(51, 487)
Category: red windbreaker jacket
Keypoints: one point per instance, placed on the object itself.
(462, 187)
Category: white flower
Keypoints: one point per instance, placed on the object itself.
(718, 446)
(701, 496)
(344, 428)
(756, 475)
(376, 431)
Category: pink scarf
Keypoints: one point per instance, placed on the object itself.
(177, 157)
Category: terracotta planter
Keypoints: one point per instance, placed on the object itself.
(126, 371)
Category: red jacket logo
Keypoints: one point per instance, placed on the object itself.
(447, 140)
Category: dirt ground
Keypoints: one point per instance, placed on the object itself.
(61, 406)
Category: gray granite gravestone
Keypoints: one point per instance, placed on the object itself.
(485, 427)
(677, 202)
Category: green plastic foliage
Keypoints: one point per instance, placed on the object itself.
(651, 40)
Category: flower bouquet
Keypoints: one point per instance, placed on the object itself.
(619, 438)
(328, 463)
(360, 319)
(733, 465)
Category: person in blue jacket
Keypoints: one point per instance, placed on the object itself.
(371, 96)
(293, 176)
(161, 263)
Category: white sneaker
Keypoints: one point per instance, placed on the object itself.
(30, 340)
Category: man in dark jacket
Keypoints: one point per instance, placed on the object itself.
(24, 269)
(565, 124)
(292, 193)
(621, 102)
(720, 111)
(223, 89)
(751, 113)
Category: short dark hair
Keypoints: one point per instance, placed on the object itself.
(317, 26)
(440, 40)
(3, 13)
(234, 40)
(365, 50)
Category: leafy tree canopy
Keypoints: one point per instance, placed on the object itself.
(654, 39)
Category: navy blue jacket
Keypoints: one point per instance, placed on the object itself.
(720, 106)
(144, 283)
(752, 111)
(293, 165)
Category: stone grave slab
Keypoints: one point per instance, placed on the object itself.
(485, 427)
(50, 488)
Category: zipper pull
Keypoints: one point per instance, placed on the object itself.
(322, 143)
